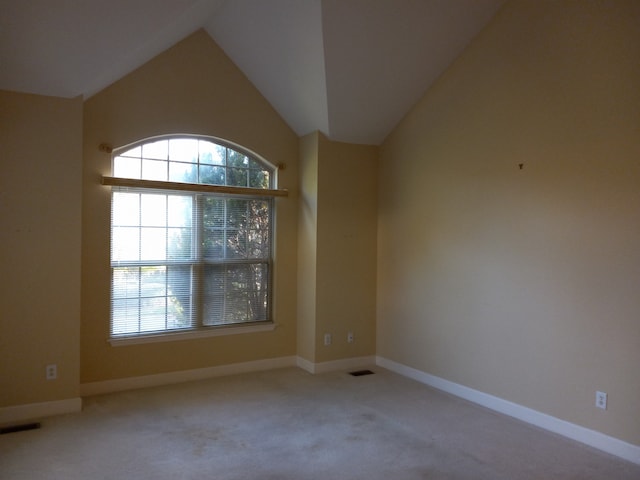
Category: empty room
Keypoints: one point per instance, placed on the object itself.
(291, 239)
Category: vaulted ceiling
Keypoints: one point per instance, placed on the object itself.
(349, 68)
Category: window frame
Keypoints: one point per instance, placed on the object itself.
(196, 191)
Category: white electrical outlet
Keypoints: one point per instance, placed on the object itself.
(52, 372)
(327, 339)
(350, 337)
(601, 400)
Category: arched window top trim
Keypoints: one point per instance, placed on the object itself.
(208, 138)
(192, 162)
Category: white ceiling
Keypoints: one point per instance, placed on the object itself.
(349, 68)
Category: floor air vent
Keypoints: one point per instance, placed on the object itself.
(19, 428)
(360, 373)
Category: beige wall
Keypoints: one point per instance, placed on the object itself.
(307, 246)
(346, 250)
(191, 88)
(523, 283)
(337, 248)
(40, 195)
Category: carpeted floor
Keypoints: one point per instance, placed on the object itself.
(288, 424)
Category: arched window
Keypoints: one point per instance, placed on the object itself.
(191, 236)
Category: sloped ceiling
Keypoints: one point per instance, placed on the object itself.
(349, 68)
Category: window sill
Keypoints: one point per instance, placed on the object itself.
(191, 334)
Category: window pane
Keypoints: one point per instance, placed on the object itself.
(213, 310)
(179, 314)
(154, 170)
(125, 244)
(259, 292)
(236, 244)
(180, 211)
(237, 212)
(153, 300)
(214, 279)
(237, 177)
(135, 152)
(125, 209)
(236, 159)
(153, 210)
(179, 280)
(153, 313)
(235, 293)
(236, 228)
(183, 172)
(213, 302)
(179, 243)
(211, 153)
(153, 243)
(258, 179)
(258, 229)
(213, 244)
(255, 165)
(126, 282)
(257, 244)
(212, 175)
(183, 150)
(125, 316)
(235, 310)
(158, 150)
(213, 212)
(153, 282)
(126, 167)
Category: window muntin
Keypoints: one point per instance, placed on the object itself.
(186, 260)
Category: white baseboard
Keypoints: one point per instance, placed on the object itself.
(34, 411)
(598, 440)
(305, 364)
(332, 366)
(131, 383)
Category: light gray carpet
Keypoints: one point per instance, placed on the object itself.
(288, 424)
